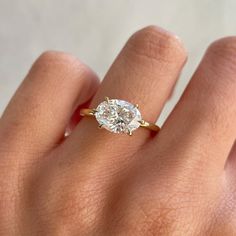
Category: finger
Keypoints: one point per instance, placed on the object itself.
(201, 129)
(143, 73)
(75, 118)
(38, 113)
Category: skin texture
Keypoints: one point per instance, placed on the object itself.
(178, 182)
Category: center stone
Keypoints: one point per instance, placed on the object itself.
(118, 116)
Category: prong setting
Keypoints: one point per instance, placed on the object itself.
(142, 122)
(100, 126)
(94, 111)
(118, 116)
(130, 133)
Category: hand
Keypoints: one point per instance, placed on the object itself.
(178, 182)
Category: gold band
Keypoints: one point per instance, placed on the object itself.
(143, 123)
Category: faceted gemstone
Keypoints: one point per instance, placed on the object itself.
(118, 116)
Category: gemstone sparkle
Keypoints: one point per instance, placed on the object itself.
(118, 116)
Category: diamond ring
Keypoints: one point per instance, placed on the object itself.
(118, 116)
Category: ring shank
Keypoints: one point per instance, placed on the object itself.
(87, 112)
(150, 126)
(143, 123)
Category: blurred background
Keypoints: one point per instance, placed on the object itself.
(96, 30)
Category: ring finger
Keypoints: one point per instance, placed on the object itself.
(144, 73)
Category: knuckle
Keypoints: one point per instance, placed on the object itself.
(158, 44)
(54, 56)
(223, 54)
(79, 200)
(224, 46)
(161, 218)
(57, 62)
(216, 76)
(73, 206)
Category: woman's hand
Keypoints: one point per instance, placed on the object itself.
(181, 181)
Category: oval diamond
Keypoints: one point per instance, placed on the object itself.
(118, 116)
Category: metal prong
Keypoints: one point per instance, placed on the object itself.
(142, 122)
(100, 126)
(94, 111)
(107, 99)
(130, 133)
(136, 105)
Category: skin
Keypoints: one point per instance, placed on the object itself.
(178, 182)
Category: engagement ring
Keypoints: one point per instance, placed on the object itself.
(118, 116)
